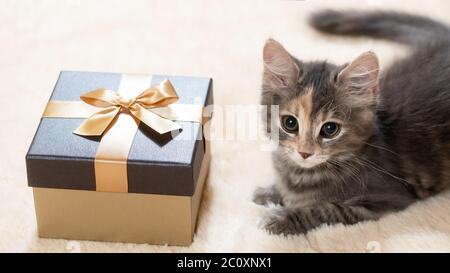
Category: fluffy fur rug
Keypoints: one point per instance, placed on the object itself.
(218, 39)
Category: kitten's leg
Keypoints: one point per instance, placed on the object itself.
(300, 220)
(264, 196)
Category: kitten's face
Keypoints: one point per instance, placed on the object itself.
(315, 129)
(326, 112)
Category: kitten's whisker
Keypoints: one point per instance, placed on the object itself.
(341, 185)
(382, 148)
(354, 172)
(378, 168)
(343, 166)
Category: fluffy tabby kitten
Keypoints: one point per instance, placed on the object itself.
(356, 144)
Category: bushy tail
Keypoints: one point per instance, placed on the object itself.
(400, 27)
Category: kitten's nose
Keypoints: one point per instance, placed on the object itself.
(305, 155)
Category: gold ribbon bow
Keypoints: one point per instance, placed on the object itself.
(112, 104)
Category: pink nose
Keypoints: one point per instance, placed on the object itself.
(305, 155)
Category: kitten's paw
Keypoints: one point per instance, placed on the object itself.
(277, 221)
(261, 196)
(264, 196)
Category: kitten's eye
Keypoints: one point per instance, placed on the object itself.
(330, 130)
(289, 123)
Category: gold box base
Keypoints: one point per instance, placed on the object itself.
(119, 217)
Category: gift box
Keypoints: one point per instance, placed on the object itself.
(120, 157)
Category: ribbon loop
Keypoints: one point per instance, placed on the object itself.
(158, 96)
(139, 107)
(101, 98)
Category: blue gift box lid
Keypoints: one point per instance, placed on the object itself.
(157, 164)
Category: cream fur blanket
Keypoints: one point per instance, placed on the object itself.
(206, 38)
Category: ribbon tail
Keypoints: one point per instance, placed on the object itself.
(154, 121)
(97, 124)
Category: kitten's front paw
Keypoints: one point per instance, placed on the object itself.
(261, 196)
(277, 221)
(265, 196)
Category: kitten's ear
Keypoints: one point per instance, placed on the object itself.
(360, 77)
(280, 69)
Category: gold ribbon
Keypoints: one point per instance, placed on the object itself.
(112, 103)
(116, 116)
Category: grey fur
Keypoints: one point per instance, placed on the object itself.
(266, 196)
(405, 155)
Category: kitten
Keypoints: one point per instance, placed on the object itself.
(356, 144)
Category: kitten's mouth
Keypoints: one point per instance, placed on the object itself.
(310, 162)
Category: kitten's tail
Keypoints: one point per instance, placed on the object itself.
(400, 27)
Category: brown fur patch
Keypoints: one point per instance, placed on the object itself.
(304, 110)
